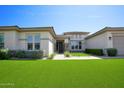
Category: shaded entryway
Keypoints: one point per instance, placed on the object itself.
(60, 43)
(60, 46)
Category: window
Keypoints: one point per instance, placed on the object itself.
(1, 41)
(37, 46)
(30, 42)
(30, 46)
(76, 47)
(37, 41)
(79, 44)
(33, 42)
(72, 47)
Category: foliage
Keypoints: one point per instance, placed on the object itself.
(51, 56)
(78, 54)
(111, 52)
(67, 54)
(4, 54)
(26, 54)
(98, 52)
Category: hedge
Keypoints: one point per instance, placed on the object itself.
(98, 52)
(26, 54)
(8, 54)
(111, 52)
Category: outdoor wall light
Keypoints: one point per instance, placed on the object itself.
(110, 38)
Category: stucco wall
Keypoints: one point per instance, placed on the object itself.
(45, 46)
(77, 37)
(51, 44)
(51, 48)
(22, 41)
(10, 39)
(43, 43)
(15, 40)
(99, 41)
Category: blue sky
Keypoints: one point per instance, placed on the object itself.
(63, 18)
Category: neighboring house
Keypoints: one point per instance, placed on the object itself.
(45, 38)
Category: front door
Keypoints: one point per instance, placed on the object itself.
(60, 46)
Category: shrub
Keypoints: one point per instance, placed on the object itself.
(66, 54)
(111, 52)
(51, 56)
(26, 54)
(17, 53)
(20, 54)
(12, 53)
(98, 52)
(34, 54)
(4, 54)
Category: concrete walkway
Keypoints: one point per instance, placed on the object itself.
(62, 57)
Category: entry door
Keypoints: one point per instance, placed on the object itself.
(60, 47)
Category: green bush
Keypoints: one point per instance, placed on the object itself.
(7, 54)
(26, 54)
(34, 54)
(98, 52)
(111, 52)
(67, 54)
(51, 56)
(20, 54)
(16, 53)
(12, 53)
(4, 54)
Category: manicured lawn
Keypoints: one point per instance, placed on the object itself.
(79, 54)
(62, 74)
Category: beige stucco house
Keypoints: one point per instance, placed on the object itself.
(45, 38)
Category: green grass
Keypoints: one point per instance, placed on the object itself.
(106, 73)
(78, 54)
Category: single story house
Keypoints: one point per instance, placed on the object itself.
(45, 38)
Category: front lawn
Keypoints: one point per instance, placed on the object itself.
(62, 73)
(78, 54)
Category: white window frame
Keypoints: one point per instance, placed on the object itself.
(33, 41)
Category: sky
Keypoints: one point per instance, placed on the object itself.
(63, 18)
